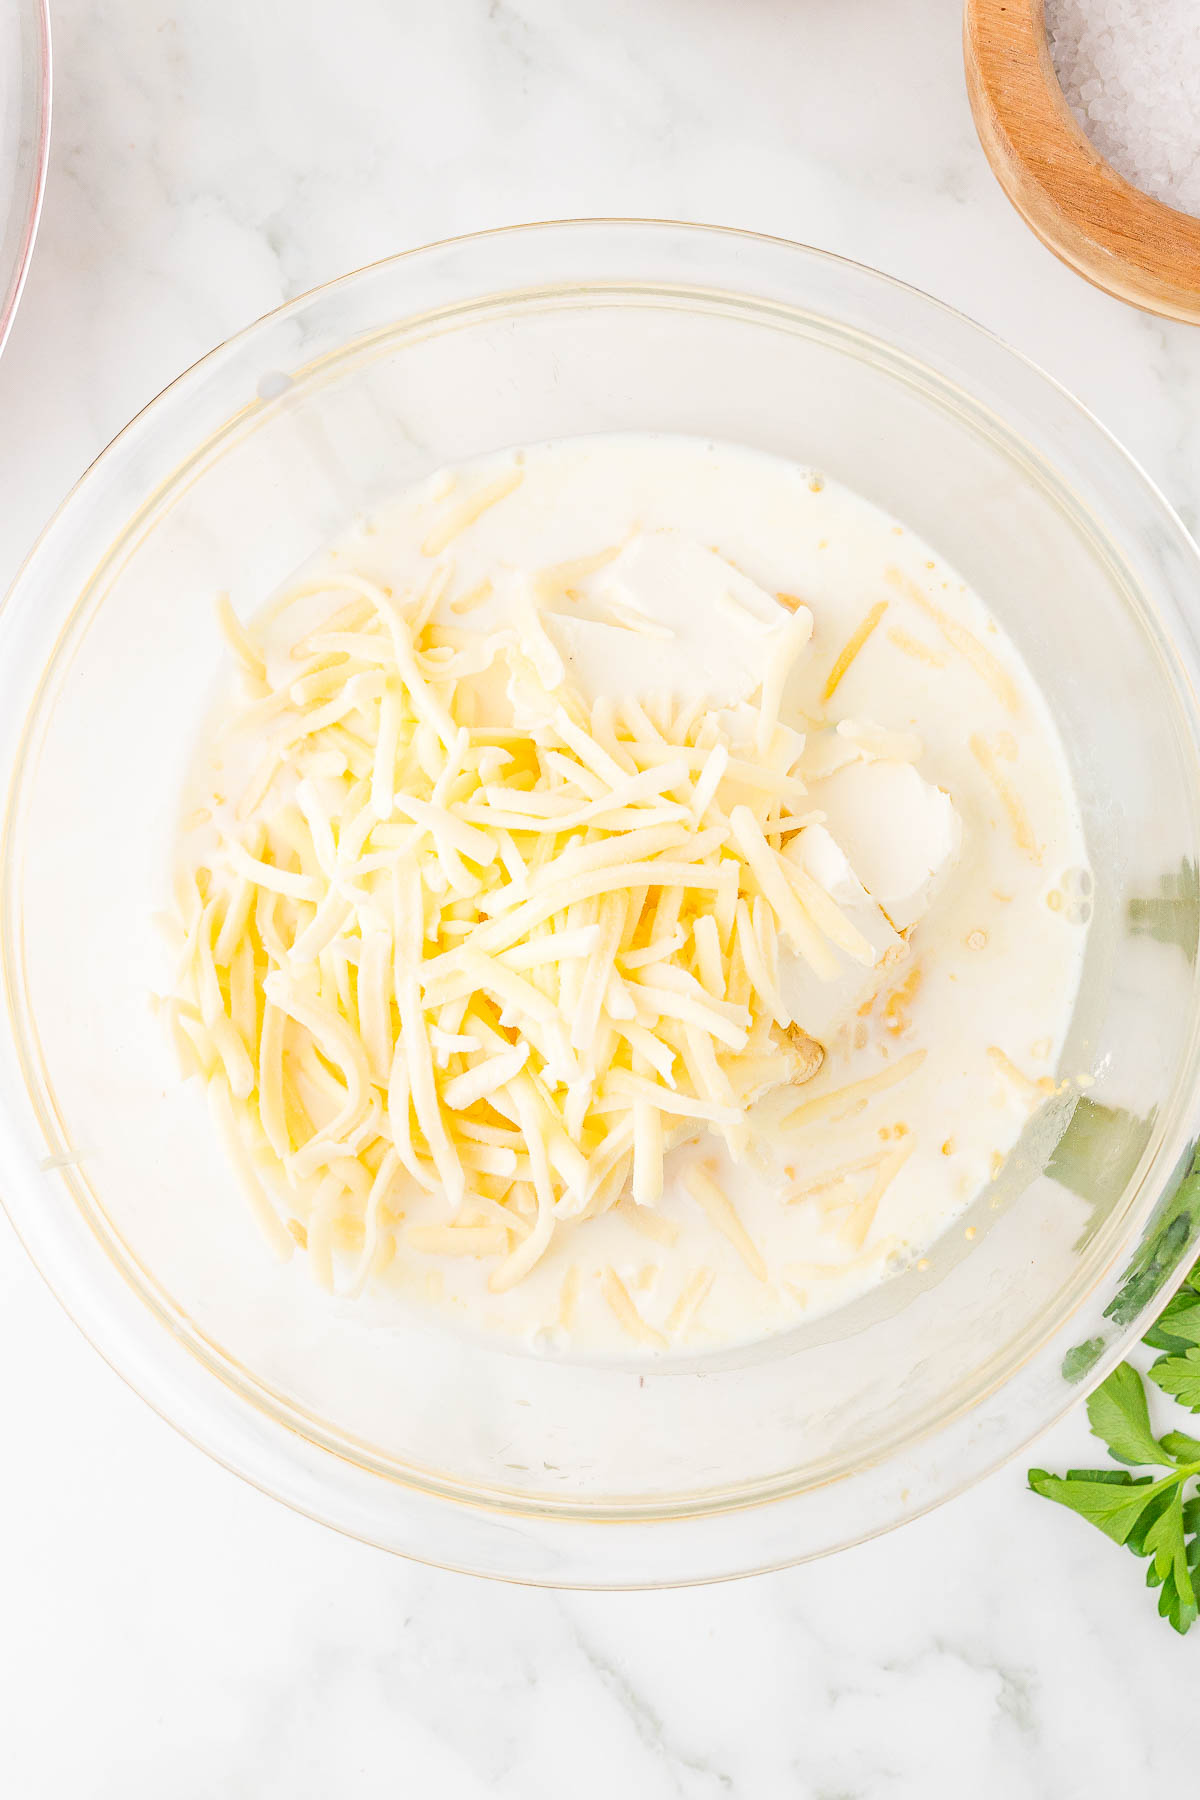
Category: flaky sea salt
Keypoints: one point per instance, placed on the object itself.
(1130, 70)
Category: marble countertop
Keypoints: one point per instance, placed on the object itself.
(165, 1631)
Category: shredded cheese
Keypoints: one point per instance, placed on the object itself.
(495, 957)
(1023, 833)
(851, 648)
(651, 1224)
(986, 666)
(843, 1100)
(1034, 1089)
(723, 1216)
(457, 518)
(912, 646)
(626, 1313)
(693, 1294)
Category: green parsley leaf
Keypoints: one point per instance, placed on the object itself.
(1114, 1477)
(1120, 1416)
(1169, 1566)
(1139, 1538)
(1179, 1327)
(1114, 1507)
(1180, 1376)
(1155, 1518)
(1172, 1230)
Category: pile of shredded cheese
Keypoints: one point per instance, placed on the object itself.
(461, 935)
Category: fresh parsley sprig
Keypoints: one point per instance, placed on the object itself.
(1156, 1516)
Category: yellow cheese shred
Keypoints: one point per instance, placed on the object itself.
(843, 1100)
(621, 1304)
(692, 1296)
(986, 666)
(458, 518)
(851, 648)
(1018, 819)
(722, 1214)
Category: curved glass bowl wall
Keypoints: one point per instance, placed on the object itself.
(444, 1447)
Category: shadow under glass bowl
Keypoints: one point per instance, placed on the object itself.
(440, 1446)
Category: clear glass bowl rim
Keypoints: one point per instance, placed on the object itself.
(598, 1551)
(37, 95)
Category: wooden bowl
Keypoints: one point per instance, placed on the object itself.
(1119, 238)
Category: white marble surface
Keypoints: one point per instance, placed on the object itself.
(167, 1633)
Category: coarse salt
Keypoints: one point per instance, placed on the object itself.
(1130, 70)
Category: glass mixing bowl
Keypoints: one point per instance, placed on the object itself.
(24, 141)
(445, 1447)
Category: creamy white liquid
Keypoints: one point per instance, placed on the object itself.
(988, 992)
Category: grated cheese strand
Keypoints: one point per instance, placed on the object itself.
(691, 1298)
(988, 667)
(722, 1214)
(843, 1099)
(851, 648)
(769, 873)
(626, 1313)
(1010, 800)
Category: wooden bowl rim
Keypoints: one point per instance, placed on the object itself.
(1133, 246)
